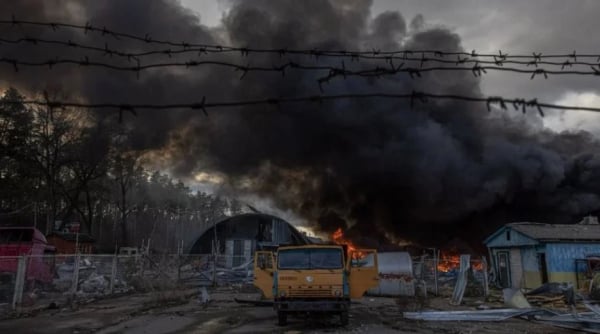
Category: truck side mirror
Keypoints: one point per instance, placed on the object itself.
(261, 263)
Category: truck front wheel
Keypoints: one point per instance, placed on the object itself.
(282, 318)
(344, 318)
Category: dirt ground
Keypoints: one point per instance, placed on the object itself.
(181, 312)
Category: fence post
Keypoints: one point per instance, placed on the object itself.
(113, 274)
(178, 267)
(19, 282)
(75, 281)
(422, 273)
(486, 288)
(214, 263)
(436, 254)
(144, 256)
(461, 280)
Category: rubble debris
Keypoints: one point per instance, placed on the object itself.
(551, 288)
(97, 276)
(541, 300)
(595, 286)
(204, 296)
(254, 302)
(588, 322)
(94, 283)
(514, 298)
(583, 321)
(555, 295)
(224, 276)
(461, 282)
(593, 308)
(483, 315)
(64, 272)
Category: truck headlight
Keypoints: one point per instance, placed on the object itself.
(282, 293)
(337, 293)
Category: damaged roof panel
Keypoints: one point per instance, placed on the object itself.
(559, 231)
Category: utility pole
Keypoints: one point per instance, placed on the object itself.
(215, 249)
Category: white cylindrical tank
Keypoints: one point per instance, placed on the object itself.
(395, 275)
(395, 263)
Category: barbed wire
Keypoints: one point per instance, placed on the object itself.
(415, 97)
(246, 50)
(106, 50)
(480, 67)
(333, 71)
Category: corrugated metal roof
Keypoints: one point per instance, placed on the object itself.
(540, 231)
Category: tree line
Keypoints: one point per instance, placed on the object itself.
(62, 165)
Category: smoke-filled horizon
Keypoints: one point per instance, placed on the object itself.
(425, 173)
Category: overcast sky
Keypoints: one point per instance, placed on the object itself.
(513, 26)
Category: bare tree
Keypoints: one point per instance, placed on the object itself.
(88, 169)
(125, 171)
(53, 136)
(16, 176)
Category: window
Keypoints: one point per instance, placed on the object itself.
(507, 235)
(16, 235)
(310, 258)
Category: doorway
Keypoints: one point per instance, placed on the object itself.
(503, 269)
(542, 267)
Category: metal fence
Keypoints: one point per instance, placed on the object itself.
(48, 281)
(433, 278)
(43, 281)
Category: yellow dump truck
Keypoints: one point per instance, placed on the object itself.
(314, 278)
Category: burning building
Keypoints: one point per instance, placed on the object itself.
(526, 255)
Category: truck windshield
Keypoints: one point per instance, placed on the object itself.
(310, 258)
(15, 235)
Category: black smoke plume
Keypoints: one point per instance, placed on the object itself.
(426, 173)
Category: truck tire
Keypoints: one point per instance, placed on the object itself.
(344, 318)
(282, 318)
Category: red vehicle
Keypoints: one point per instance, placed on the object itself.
(19, 241)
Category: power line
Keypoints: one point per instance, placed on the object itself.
(203, 47)
(415, 97)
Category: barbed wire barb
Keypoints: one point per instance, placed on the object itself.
(201, 106)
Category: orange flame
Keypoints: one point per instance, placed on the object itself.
(449, 261)
(338, 238)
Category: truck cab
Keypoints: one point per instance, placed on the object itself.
(30, 242)
(315, 278)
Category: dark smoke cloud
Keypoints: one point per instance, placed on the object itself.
(428, 173)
